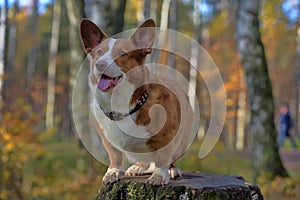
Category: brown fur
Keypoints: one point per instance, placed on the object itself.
(165, 97)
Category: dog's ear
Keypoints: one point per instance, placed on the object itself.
(90, 35)
(143, 37)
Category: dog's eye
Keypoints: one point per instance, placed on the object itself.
(122, 53)
(99, 52)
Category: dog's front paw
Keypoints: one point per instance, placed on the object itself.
(136, 170)
(159, 177)
(112, 175)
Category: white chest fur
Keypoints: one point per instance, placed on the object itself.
(117, 132)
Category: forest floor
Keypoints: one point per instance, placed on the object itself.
(65, 171)
(291, 160)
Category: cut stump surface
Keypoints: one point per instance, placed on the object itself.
(197, 186)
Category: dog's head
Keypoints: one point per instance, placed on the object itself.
(112, 58)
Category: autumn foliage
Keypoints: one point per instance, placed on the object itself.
(19, 142)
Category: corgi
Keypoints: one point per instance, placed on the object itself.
(124, 95)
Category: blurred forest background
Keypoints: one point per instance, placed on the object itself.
(41, 156)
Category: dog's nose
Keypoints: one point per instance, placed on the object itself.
(101, 65)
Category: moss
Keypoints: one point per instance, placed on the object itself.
(212, 196)
(138, 190)
(135, 191)
(141, 191)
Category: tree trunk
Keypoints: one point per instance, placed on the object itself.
(297, 82)
(201, 186)
(99, 12)
(147, 8)
(164, 15)
(157, 56)
(119, 18)
(3, 31)
(241, 114)
(3, 24)
(172, 35)
(153, 10)
(75, 13)
(12, 43)
(266, 159)
(52, 64)
(194, 54)
(33, 45)
(297, 109)
(84, 121)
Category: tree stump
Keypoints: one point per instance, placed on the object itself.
(197, 186)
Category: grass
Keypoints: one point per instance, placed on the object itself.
(219, 161)
(65, 171)
(287, 143)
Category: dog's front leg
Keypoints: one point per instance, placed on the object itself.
(114, 172)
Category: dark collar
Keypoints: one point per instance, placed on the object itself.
(117, 116)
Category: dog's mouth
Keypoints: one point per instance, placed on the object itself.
(108, 83)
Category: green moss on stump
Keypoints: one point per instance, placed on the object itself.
(192, 186)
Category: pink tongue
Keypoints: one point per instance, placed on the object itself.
(104, 83)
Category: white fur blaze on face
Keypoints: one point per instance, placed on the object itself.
(111, 69)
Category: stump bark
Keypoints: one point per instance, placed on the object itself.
(197, 186)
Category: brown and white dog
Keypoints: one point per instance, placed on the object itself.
(156, 139)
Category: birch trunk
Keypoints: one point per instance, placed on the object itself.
(98, 12)
(241, 114)
(52, 64)
(12, 42)
(297, 82)
(33, 46)
(153, 10)
(266, 159)
(3, 24)
(194, 54)
(172, 35)
(155, 57)
(3, 27)
(75, 13)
